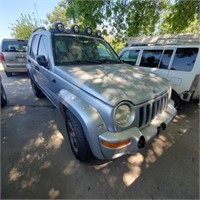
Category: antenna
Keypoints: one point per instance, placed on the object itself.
(37, 14)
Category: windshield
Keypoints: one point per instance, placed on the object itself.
(70, 50)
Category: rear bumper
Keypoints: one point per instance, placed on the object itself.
(15, 68)
(134, 135)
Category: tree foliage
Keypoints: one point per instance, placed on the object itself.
(88, 13)
(183, 16)
(121, 18)
(58, 14)
(136, 17)
(143, 16)
(23, 27)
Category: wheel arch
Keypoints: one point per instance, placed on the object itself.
(176, 98)
(89, 118)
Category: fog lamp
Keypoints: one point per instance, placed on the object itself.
(88, 30)
(98, 33)
(59, 27)
(75, 28)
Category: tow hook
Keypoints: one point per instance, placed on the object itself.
(161, 127)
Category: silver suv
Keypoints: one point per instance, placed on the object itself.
(110, 108)
(13, 55)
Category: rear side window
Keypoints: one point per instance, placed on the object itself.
(33, 48)
(184, 59)
(166, 57)
(14, 46)
(151, 58)
(130, 56)
(42, 47)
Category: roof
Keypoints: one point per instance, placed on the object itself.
(164, 39)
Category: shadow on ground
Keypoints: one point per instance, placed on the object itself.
(37, 162)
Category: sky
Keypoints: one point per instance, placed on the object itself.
(10, 11)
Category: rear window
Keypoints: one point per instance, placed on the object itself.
(14, 46)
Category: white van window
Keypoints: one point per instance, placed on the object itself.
(166, 57)
(33, 48)
(151, 58)
(130, 56)
(184, 59)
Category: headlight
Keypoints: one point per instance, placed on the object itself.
(124, 114)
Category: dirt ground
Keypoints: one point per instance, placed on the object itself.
(37, 162)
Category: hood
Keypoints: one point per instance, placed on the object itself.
(113, 83)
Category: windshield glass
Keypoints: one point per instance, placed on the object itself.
(70, 50)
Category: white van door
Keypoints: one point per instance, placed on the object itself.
(183, 71)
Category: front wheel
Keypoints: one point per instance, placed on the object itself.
(78, 142)
(38, 93)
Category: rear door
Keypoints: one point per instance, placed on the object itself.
(182, 70)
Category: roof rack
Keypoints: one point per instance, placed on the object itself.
(164, 39)
(40, 28)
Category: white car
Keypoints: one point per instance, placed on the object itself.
(175, 58)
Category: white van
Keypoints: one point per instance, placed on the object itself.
(174, 57)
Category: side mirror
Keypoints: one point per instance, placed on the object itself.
(41, 60)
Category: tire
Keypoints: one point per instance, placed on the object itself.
(37, 92)
(177, 100)
(3, 97)
(8, 74)
(78, 142)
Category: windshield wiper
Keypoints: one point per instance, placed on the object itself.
(87, 62)
(108, 61)
(84, 62)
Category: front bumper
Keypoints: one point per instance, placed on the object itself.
(134, 135)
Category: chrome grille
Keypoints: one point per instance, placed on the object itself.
(149, 111)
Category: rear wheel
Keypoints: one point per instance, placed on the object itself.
(36, 90)
(8, 74)
(78, 142)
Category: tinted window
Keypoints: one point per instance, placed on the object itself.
(33, 49)
(130, 56)
(184, 59)
(166, 57)
(151, 58)
(42, 49)
(14, 46)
